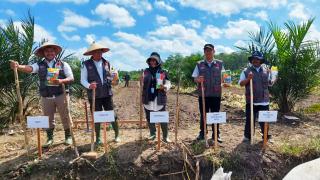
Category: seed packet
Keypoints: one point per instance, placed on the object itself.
(52, 75)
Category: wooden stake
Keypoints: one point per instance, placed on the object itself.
(92, 117)
(39, 143)
(265, 135)
(215, 136)
(251, 113)
(69, 120)
(204, 115)
(105, 136)
(87, 116)
(177, 114)
(158, 129)
(140, 105)
(21, 116)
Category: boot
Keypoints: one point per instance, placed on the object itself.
(152, 129)
(164, 127)
(49, 138)
(116, 131)
(67, 137)
(98, 136)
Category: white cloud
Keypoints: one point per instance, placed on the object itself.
(298, 11)
(2, 22)
(90, 38)
(262, 15)
(239, 29)
(194, 23)
(8, 12)
(223, 49)
(139, 5)
(77, 52)
(212, 32)
(123, 56)
(33, 2)
(118, 16)
(162, 20)
(227, 8)
(72, 21)
(240, 43)
(313, 34)
(71, 38)
(162, 5)
(41, 33)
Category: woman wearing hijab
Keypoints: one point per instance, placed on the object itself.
(154, 96)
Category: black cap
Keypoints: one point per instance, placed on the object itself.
(208, 46)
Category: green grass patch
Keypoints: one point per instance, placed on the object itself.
(299, 149)
(312, 109)
(198, 147)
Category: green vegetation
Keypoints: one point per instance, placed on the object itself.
(290, 149)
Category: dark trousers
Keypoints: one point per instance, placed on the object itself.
(256, 110)
(126, 84)
(212, 105)
(107, 105)
(152, 126)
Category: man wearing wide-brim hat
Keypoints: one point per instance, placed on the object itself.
(96, 74)
(261, 80)
(52, 73)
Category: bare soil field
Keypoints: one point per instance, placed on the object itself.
(135, 159)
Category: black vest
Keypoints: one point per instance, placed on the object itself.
(212, 76)
(102, 90)
(260, 85)
(162, 95)
(49, 91)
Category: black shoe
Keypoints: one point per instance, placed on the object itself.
(200, 137)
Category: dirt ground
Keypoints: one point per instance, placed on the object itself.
(135, 159)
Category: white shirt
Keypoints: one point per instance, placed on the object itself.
(66, 68)
(153, 105)
(196, 70)
(243, 77)
(84, 73)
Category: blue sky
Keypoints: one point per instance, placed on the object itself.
(132, 29)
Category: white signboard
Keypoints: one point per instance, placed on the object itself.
(216, 117)
(159, 117)
(103, 116)
(37, 122)
(268, 116)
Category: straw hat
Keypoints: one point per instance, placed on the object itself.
(95, 46)
(39, 51)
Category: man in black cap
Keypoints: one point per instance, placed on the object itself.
(261, 80)
(209, 71)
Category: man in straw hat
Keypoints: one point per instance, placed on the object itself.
(52, 73)
(96, 74)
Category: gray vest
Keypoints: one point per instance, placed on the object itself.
(44, 89)
(162, 96)
(212, 76)
(104, 90)
(260, 85)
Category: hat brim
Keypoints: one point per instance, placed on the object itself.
(153, 57)
(89, 53)
(40, 51)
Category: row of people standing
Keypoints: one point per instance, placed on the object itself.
(96, 74)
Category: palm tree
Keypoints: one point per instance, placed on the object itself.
(298, 64)
(15, 44)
